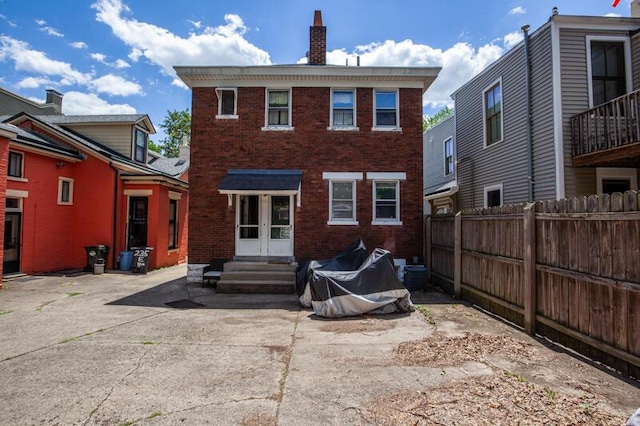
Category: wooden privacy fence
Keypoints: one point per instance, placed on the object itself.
(568, 270)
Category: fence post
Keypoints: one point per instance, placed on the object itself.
(457, 255)
(427, 247)
(530, 302)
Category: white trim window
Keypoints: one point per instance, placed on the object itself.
(386, 111)
(342, 197)
(611, 179)
(343, 109)
(492, 113)
(386, 197)
(448, 157)
(608, 68)
(15, 166)
(493, 195)
(140, 141)
(278, 109)
(173, 224)
(65, 191)
(227, 102)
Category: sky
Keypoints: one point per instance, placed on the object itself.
(117, 56)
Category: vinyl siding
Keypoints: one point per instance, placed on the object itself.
(118, 137)
(433, 157)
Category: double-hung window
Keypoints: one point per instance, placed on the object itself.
(227, 102)
(140, 146)
(608, 69)
(386, 115)
(386, 197)
(278, 108)
(493, 113)
(342, 197)
(15, 168)
(173, 224)
(343, 109)
(448, 157)
(65, 191)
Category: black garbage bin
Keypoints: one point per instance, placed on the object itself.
(94, 253)
(415, 277)
(141, 259)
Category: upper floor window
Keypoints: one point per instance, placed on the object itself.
(140, 148)
(448, 157)
(493, 113)
(15, 168)
(608, 77)
(65, 191)
(386, 109)
(227, 102)
(493, 196)
(278, 108)
(343, 108)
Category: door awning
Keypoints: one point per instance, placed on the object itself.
(261, 181)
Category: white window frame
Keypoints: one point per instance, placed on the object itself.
(220, 115)
(354, 126)
(386, 128)
(268, 126)
(342, 177)
(135, 145)
(604, 173)
(490, 188)
(453, 156)
(627, 60)
(484, 113)
(395, 177)
(176, 230)
(61, 182)
(20, 178)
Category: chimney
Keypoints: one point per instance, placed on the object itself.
(184, 148)
(317, 41)
(635, 8)
(55, 98)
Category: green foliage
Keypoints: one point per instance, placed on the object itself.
(154, 147)
(176, 125)
(430, 121)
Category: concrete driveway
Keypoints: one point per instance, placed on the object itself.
(122, 349)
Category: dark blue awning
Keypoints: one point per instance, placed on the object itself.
(262, 181)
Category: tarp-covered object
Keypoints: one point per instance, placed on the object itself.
(372, 288)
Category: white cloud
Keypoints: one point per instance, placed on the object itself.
(512, 39)
(98, 57)
(78, 45)
(78, 103)
(102, 58)
(613, 15)
(222, 45)
(121, 63)
(37, 62)
(518, 11)
(8, 21)
(115, 85)
(196, 24)
(51, 31)
(41, 22)
(33, 82)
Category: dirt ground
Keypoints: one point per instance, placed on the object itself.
(527, 387)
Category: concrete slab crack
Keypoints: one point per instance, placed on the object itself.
(287, 362)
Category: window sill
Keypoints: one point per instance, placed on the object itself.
(387, 129)
(277, 129)
(60, 203)
(345, 223)
(386, 223)
(227, 117)
(492, 144)
(172, 250)
(17, 179)
(343, 129)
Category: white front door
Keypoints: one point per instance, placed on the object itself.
(264, 225)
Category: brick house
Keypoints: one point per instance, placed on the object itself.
(77, 181)
(294, 162)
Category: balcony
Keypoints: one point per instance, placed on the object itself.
(609, 134)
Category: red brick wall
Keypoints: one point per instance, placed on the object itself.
(219, 145)
(4, 160)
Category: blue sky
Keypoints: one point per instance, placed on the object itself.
(116, 56)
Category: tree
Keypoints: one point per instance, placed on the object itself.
(177, 125)
(154, 147)
(430, 121)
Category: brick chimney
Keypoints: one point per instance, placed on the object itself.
(317, 41)
(55, 98)
(635, 8)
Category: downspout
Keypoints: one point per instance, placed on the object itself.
(115, 214)
(527, 76)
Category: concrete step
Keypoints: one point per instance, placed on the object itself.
(259, 266)
(277, 275)
(255, 287)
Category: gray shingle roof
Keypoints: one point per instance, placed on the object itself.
(171, 166)
(261, 180)
(82, 119)
(34, 139)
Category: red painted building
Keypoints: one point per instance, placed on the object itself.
(298, 161)
(79, 181)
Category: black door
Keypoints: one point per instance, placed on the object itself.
(12, 228)
(138, 209)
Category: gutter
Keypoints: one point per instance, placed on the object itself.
(114, 234)
(527, 76)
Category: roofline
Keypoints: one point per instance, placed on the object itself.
(145, 117)
(444, 193)
(135, 178)
(304, 75)
(29, 101)
(23, 146)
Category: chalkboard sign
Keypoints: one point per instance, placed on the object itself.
(141, 259)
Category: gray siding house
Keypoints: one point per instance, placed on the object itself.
(439, 172)
(557, 116)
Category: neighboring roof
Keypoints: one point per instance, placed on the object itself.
(36, 106)
(305, 75)
(100, 119)
(448, 188)
(260, 180)
(170, 166)
(39, 142)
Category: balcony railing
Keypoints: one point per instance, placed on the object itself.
(605, 130)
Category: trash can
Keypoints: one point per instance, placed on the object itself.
(94, 253)
(126, 260)
(98, 267)
(415, 277)
(141, 259)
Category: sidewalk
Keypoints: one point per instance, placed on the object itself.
(118, 349)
